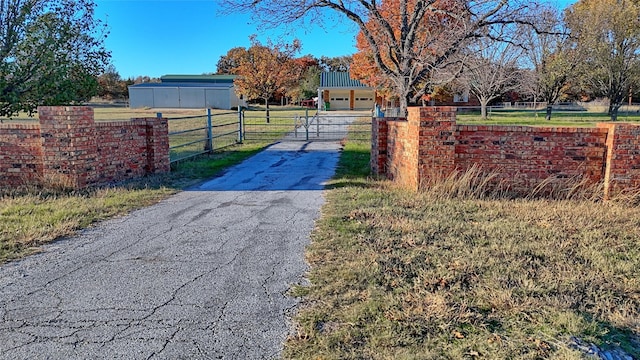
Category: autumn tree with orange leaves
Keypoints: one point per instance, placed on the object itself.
(408, 40)
(303, 70)
(438, 26)
(265, 69)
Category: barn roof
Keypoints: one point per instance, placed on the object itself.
(183, 85)
(336, 79)
(198, 78)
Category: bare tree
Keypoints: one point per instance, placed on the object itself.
(491, 70)
(549, 57)
(396, 30)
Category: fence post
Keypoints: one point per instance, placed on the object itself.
(240, 124)
(306, 127)
(208, 146)
(317, 117)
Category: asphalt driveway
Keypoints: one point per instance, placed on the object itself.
(201, 275)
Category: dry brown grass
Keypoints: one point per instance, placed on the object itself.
(454, 273)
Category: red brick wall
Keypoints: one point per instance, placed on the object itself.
(523, 156)
(157, 145)
(435, 127)
(379, 145)
(122, 150)
(401, 155)
(430, 145)
(622, 170)
(68, 145)
(69, 148)
(20, 153)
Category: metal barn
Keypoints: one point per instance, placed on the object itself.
(187, 92)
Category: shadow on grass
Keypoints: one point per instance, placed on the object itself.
(606, 340)
(192, 171)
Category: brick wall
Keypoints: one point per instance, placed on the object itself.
(430, 145)
(379, 145)
(523, 156)
(622, 168)
(20, 153)
(68, 147)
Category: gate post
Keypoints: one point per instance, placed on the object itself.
(208, 146)
(306, 127)
(240, 124)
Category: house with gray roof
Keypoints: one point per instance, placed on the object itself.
(187, 92)
(338, 91)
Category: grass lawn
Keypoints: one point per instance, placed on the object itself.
(537, 118)
(32, 217)
(401, 275)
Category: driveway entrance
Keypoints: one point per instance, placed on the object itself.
(201, 275)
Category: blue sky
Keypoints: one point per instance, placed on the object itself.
(159, 37)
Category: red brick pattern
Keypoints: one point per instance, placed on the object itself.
(430, 145)
(20, 154)
(436, 129)
(622, 169)
(68, 145)
(524, 156)
(69, 148)
(157, 146)
(401, 155)
(121, 148)
(379, 146)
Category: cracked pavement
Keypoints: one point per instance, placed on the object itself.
(201, 275)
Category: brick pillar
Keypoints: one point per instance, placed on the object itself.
(69, 145)
(622, 167)
(435, 128)
(379, 132)
(157, 145)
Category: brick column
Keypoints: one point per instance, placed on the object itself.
(379, 132)
(157, 146)
(622, 167)
(435, 129)
(68, 145)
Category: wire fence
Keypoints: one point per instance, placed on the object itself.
(304, 125)
(272, 125)
(191, 136)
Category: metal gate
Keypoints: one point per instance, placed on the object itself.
(306, 126)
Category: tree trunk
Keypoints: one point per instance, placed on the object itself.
(613, 111)
(403, 92)
(266, 103)
(549, 110)
(483, 108)
(404, 104)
